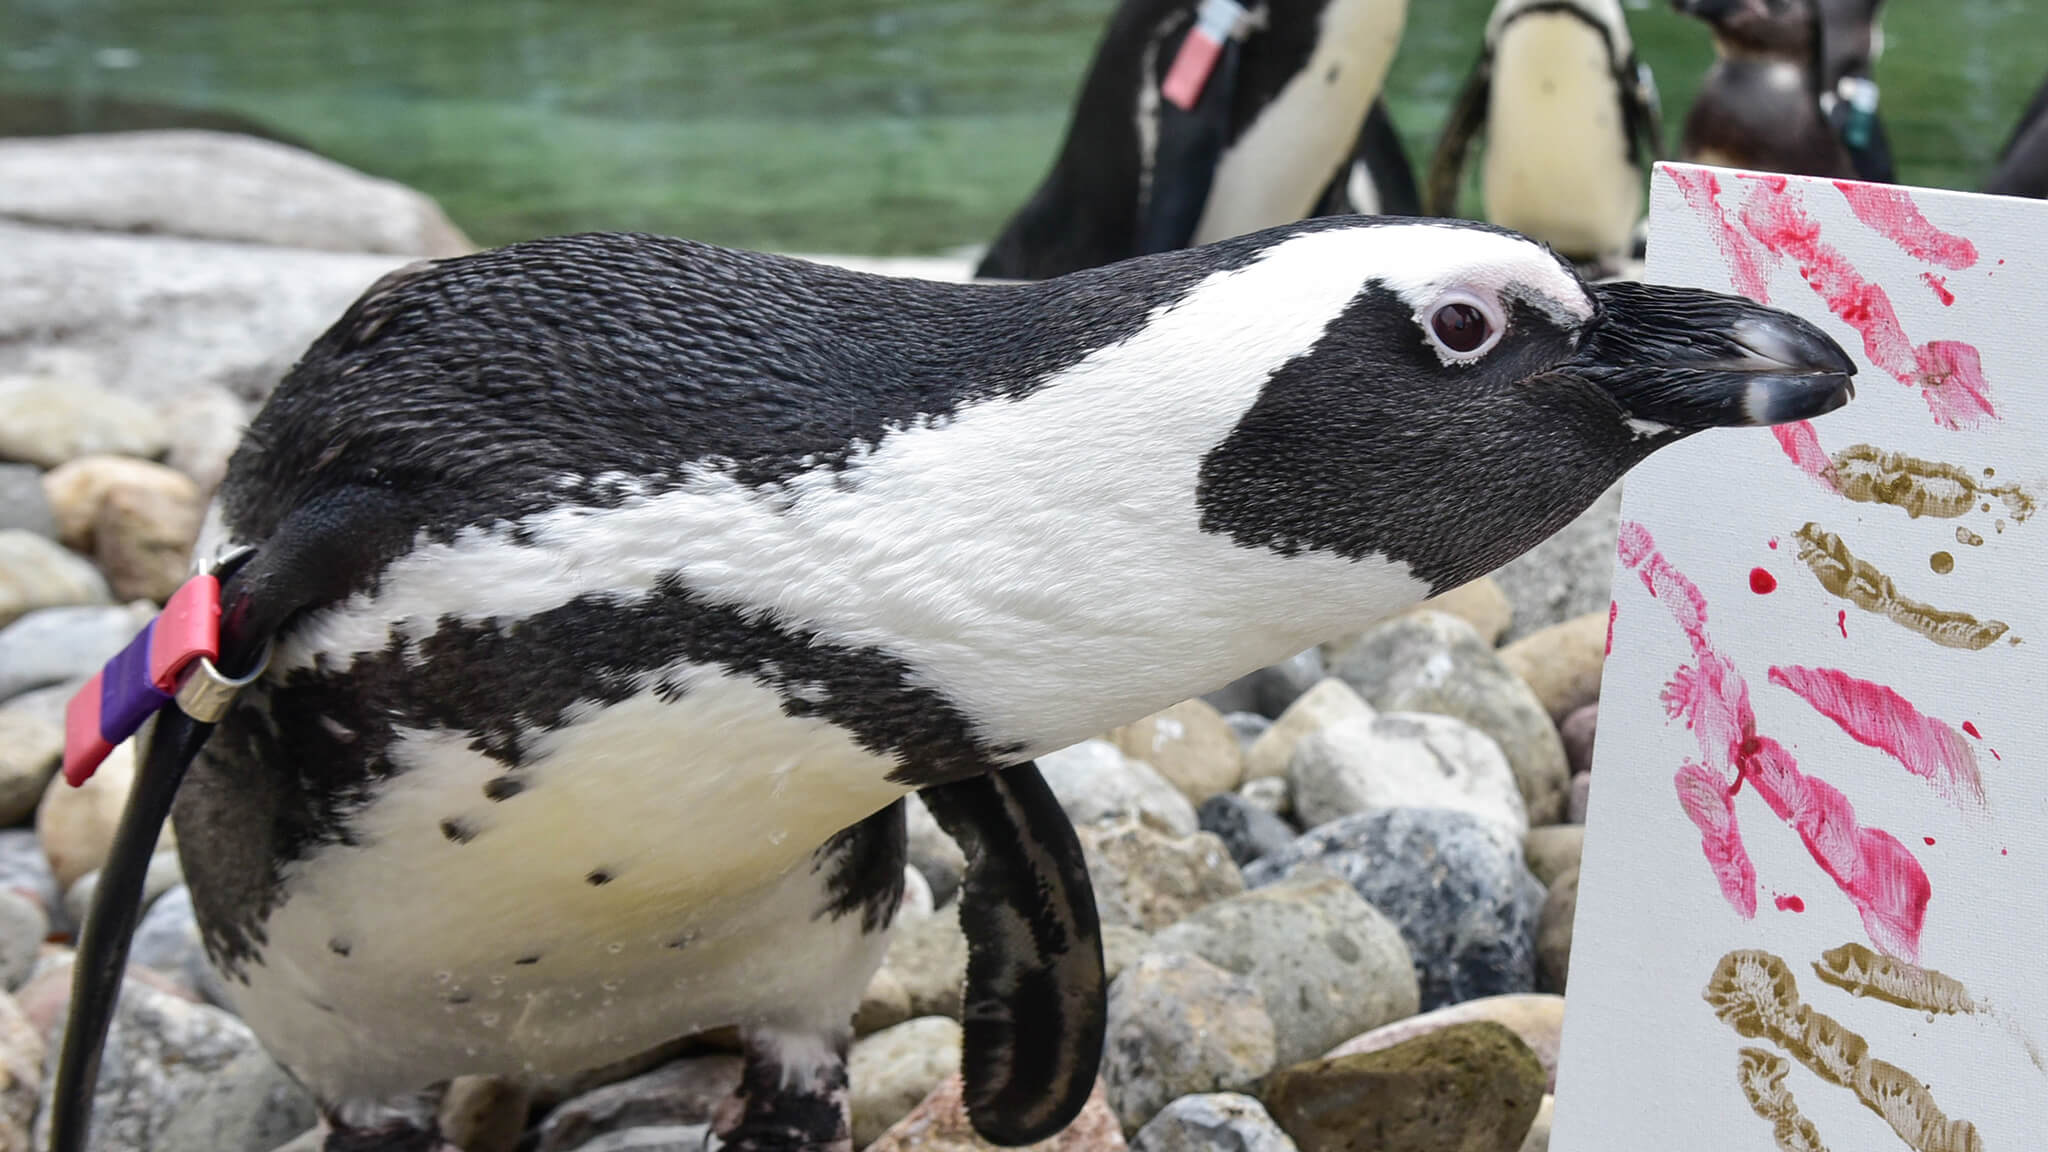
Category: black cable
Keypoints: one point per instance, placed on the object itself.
(102, 956)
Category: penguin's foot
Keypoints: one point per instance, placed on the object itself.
(792, 1095)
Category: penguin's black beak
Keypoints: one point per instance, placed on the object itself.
(1679, 360)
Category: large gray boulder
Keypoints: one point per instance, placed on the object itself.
(216, 186)
(157, 317)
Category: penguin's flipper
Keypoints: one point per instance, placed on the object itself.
(1385, 162)
(1190, 144)
(1466, 121)
(1642, 113)
(1034, 1005)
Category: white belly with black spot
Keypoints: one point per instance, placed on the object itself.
(1557, 160)
(654, 878)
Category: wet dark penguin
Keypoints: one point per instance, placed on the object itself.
(1288, 107)
(618, 588)
(1768, 99)
(1571, 122)
(2023, 163)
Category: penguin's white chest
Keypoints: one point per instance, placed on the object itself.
(652, 876)
(1273, 173)
(1557, 155)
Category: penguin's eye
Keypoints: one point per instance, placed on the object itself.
(1463, 327)
(1460, 326)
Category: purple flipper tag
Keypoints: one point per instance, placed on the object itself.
(127, 698)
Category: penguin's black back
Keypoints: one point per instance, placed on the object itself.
(494, 385)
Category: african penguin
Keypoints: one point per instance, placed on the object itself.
(1274, 123)
(617, 589)
(1572, 125)
(2023, 163)
(1761, 105)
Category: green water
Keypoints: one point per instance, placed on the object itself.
(821, 125)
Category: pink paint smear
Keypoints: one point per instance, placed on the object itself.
(1891, 213)
(1774, 223)
(1880, 718)
(1749, 264)
(1802, 445)
(1872, 868)
(1939, 286)
(1711, 806)
(1947, 372)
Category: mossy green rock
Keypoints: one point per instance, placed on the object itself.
(1469, 1088)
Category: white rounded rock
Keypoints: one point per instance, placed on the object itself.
(1404, 760)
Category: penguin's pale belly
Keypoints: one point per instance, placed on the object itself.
(654, 877)
(1274, 172)
(1557, 156)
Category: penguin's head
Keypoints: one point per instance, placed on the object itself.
(1473, 386)
(1764, 27)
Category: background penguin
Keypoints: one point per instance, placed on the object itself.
(2023, 163)
(1275, 120)
(1571, 123)
(1378, 180)
(616, 589)
(1851, 41)
(1760, 104)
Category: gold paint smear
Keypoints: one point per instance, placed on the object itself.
(1872, 475)
(1862, 972)
(1754, 991)
(1860, 583)
(1763, 1083)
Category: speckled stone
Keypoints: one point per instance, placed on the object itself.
(1147, 879)
(1213, 1122)
(1467, 1088)
(1431, 662)
(1180, 1025)
(1247, 830)
(1329, 965)
(1468, 919)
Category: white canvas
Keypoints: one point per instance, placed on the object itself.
(1892, 754)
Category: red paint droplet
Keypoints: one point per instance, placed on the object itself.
(1790, 904)
(1762, 582)
(1774, 543)
(1995, 755)
(1940, 286)
(1613, 610)
(2001, 851)
(1972, 730)
(1842, 622)
(1929, 839)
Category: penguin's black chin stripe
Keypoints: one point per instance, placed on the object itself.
(1681, 360)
